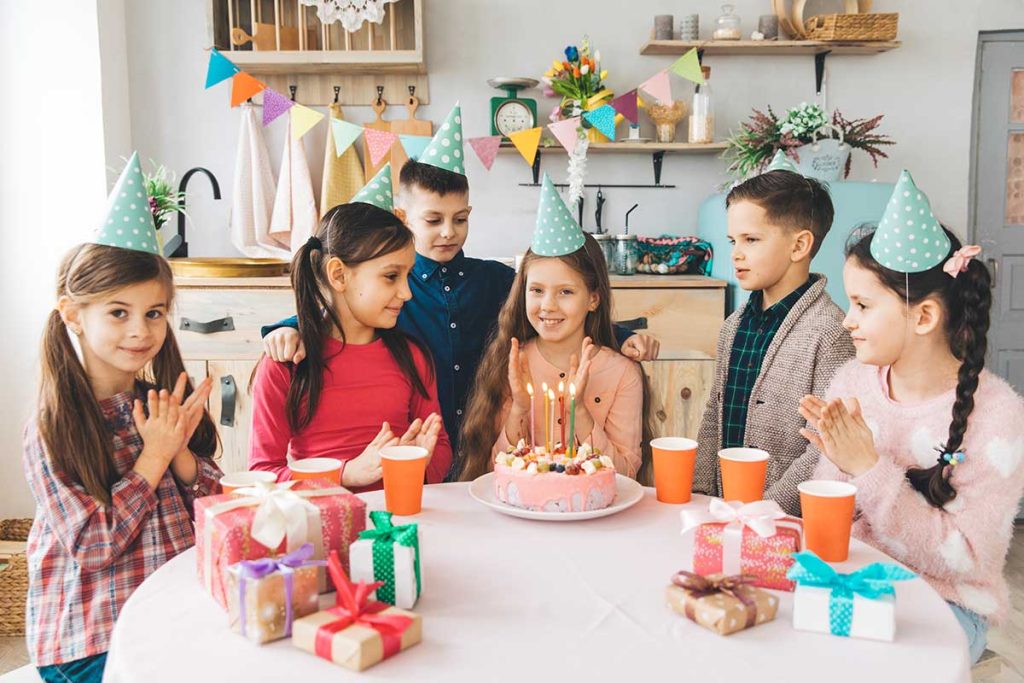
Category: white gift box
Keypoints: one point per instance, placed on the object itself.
(872, 619)
(361, 563)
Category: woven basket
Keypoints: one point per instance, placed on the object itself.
(13, 578)
(853, 27)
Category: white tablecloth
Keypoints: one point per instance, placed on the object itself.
(510, 599)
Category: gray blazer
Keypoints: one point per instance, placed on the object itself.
(807, 350)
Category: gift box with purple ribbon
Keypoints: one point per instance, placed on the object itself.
(267, 595)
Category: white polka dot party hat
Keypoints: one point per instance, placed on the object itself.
(557, 232)
(909, 239)
(445, 150)
(129, 223)
(378, 190)
(780, 162)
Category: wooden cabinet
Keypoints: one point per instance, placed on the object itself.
(217, 322)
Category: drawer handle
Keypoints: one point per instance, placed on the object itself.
(685, 393)
(219, 325)
(634, 324)
(228, 393)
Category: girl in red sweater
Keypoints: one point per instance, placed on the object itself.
(363, 382)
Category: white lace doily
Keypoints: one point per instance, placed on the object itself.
(351, 13)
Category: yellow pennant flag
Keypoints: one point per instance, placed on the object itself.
(688, 66)
(303, 118)
(526, 141)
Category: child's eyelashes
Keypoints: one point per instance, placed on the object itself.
(155, 315)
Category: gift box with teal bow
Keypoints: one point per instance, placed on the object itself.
(390, 554)
(861, 604)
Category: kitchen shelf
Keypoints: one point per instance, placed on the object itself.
(768, 47)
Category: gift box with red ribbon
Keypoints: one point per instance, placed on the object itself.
(357, 632)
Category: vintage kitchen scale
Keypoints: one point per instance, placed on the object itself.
(511, 113)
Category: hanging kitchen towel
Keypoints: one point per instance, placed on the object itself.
(343, 175)
(253, 193)
(294, 218)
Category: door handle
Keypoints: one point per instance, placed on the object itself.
(228, 394)
(993, 266)
(218, 325)
(634, 324)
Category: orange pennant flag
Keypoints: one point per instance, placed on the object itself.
(526, 141)
(244, 86)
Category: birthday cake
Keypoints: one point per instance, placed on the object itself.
(553, 481)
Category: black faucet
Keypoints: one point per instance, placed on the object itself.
(182, 250)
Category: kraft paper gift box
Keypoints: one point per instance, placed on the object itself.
(756, 539)
(861, 604)
(389, 554)
(358, 632)
(273, 519)
(721, 604)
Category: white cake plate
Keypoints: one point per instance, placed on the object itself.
(627, 494)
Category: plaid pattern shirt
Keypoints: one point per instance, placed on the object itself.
(756, 330)
(84, 560)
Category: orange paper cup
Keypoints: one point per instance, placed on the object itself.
(317, 468)
(828, 516)
(240, 480)
(743, 473)
(674, 459)
(404, 468)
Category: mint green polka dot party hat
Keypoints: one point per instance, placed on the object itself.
(128, 223)
(557, 232)
(378, 190)
(445, 150)
(909, 239)
(780, 162)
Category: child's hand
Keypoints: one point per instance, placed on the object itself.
(579, 366)
(365, 469)
(518, 377)
(163, 432)
(284, 345)
(641, 347)
(423, 433)
(844, 436)
(193, 407)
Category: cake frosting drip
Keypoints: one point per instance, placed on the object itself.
(554, 482)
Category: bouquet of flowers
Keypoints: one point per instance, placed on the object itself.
(577, 78)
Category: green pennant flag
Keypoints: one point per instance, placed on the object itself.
(557, 232)
(909, 239)
(688, 66)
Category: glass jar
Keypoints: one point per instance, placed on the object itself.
(702, 112)
(607, 244)
(626, 254)
(727, 26)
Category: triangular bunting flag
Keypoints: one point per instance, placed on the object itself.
(626, 105)
(379, 143)
(129, 223)
(274, 104)
(219, 69)
(557, 233)
(303, 118)
(244, 86)
(909, 239)
(526, 142)
(446, 150)
(486, 149)
(602, 118)
(688, 66)
(345, 134)
(566, 132)
(414, 144)
(658, 87)
(378, 190)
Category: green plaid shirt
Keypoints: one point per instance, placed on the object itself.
(753, 337)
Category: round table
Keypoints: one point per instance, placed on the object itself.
(512, 599)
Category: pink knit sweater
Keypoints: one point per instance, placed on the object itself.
(960, 549)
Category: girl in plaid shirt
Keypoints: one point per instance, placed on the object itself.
(119, 447)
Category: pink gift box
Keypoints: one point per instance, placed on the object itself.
(334, 518)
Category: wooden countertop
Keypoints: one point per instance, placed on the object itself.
(639, 281)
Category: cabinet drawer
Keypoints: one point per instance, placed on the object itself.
(248, 309)
(685, 321)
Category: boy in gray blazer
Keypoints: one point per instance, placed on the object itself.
(787, 341)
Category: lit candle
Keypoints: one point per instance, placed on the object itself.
(551, 402)
(547, 411)
(572, 420)
(533, 433)
(561, 412)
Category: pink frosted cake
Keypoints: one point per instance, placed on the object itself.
(554, 482)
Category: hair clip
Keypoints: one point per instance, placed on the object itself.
(952, 459)
(960, 259)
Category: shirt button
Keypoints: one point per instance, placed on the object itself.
(459, 411)
(460, 273)
(424, 276)
(561, 374)
(447, 288)
(597, 399)
(456, 367)
(443, 269)
(453, 326)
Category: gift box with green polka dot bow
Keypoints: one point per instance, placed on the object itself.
(390, 554)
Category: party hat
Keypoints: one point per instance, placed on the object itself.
(445, 150)
(557, 232)
(909, 239)
(780, 162)
(378, 190)
(129, 223)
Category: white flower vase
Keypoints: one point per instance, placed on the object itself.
(824, 160)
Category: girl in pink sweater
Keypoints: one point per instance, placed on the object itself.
(933, 442)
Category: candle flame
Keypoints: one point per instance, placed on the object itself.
(561, 387)
(544, 387)
(551, 394)
(529, 389)
(572, 389)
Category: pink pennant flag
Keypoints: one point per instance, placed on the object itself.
(658, 87)
(379, 142)
(486, 149)
(626, 105)
(274, 104)
(566, 132)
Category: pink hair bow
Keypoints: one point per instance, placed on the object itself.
(958, 262)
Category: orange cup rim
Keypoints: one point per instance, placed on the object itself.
(673, 443)
(734, 454)
(403, 453)
(315, 465)
(826, 488)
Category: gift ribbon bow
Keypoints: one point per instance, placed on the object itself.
(961, 258)
(353, 607)
(759, 517)
(384, 536)
(872, 581)
(281, 513)
(258, 569)
(703, 586)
